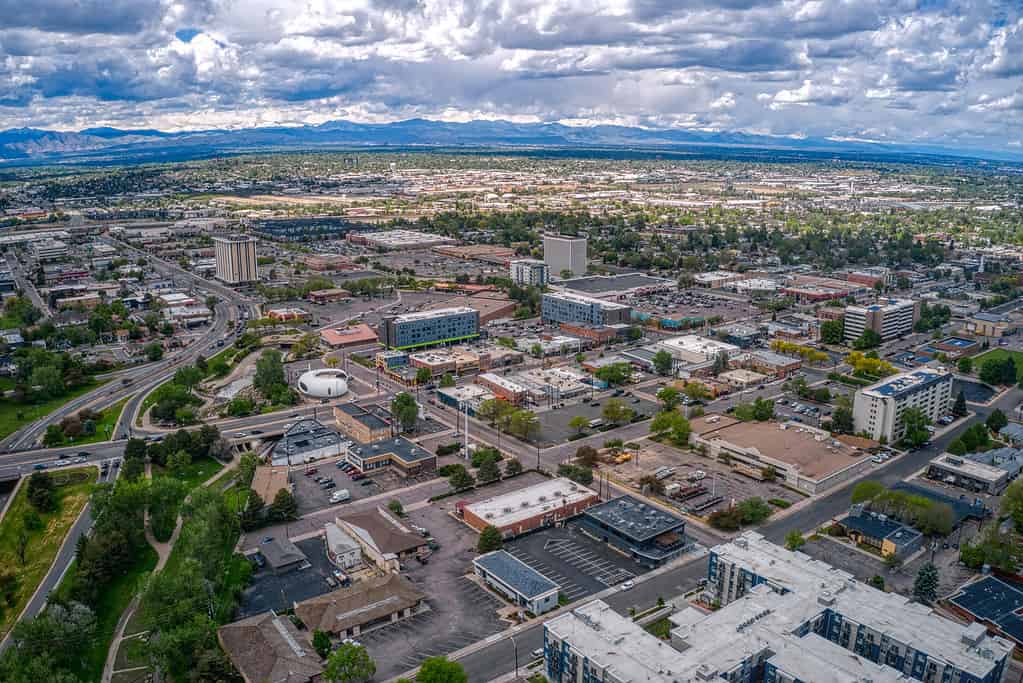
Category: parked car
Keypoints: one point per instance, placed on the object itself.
(39, 466)
(537, 653)
(628, 585)
(356, 476)
(311, 471)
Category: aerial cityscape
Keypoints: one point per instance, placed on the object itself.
(514, 342)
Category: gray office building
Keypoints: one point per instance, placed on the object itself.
(562, 307)
(429, 328)
(562, 253)
(236, 258)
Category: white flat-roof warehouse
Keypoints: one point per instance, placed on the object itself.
(530, 508)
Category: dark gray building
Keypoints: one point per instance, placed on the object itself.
(429, 328)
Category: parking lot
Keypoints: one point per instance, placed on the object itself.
(719, 480)
(554, 424)
(269, 591)
(310, 496)
(579, 564)
(692, 303)
(461, 612)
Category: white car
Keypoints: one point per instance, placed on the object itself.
(628, 585)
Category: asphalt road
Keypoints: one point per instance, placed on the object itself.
(498, 658)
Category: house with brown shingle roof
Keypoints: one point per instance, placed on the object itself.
(347, 612)
(268, 647)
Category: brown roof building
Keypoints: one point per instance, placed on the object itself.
(347, 612)
(383, 538)
(267, 647)
(267, 481)
(354, 335)
(803, 457)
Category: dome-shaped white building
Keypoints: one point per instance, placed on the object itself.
(324, 383)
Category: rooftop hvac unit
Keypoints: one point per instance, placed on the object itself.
(542, 498)
(524, 504)
(506, 510)
(489, 515)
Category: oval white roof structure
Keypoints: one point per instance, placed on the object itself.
(324, 383)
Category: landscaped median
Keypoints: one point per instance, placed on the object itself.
(84, 427)
(30, 537)
(15, 414)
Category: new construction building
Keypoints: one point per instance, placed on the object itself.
(566, 307)
(429, 328)
(796, 619)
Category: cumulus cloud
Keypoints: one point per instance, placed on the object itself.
(883, 69)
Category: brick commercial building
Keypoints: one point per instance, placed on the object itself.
(363, 423)
(545, 504)
(329, 296)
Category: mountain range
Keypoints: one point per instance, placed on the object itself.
(31, 146)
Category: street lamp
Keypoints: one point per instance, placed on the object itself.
(515, 648)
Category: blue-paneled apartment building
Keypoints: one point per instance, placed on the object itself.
(430, 328)
(783, 618)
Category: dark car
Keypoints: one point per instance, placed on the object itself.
(356, 476)
(255, 432)
(366, 483)
(327, 485)
(84, 454)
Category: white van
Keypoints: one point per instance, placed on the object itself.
(340, 496)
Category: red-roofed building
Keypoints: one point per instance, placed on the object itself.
(356, 335)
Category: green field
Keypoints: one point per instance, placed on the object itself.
(44, 543)
(1000, 354)
(10, 409)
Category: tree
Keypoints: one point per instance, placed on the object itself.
(284, 506)
(577, 473)
(663, 363)
(512, 467)
(753, 511)
(616, 411)
(490, 539)
(488, 470)
(842, 420)
(959, 407)
(460, 478)
(178, 462)
(669, 397)
(350, 663)
(866, 491)
(321, 643)
(423, 375)
(188, 377)
(996, 420)
(586, 456)
(673, 425)
(833, 331)
(440, 670)
(269, 372)
(614, 374)
(42, 494)
(915, 423)
(720, 363)
(154, 351)
(1012, 503)
(925, 587)
(54, 436)
(405, 410)
(965, 365)
(578, 423)
(877, 581)
(447, 380)
(524, 424)
(794, 540)
(868, 340)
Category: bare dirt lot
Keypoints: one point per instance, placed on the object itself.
(720, 479)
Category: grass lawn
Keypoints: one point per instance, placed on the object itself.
(1000, 354)
(112, 603)
(44, 543)
(195, 474)
(104, 426)
(9, 409)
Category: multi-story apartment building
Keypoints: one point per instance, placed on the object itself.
(441, 326)
(529, 272)
(562, 253)
(797, 620)
(890, 318)
(236, 258)
(877, 409)
(563, 307)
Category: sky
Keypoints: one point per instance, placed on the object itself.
(947, 72)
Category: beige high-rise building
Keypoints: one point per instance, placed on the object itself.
(236, 258)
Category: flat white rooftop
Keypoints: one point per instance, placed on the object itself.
(785, 569)
(586, 300)
(546, 496)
